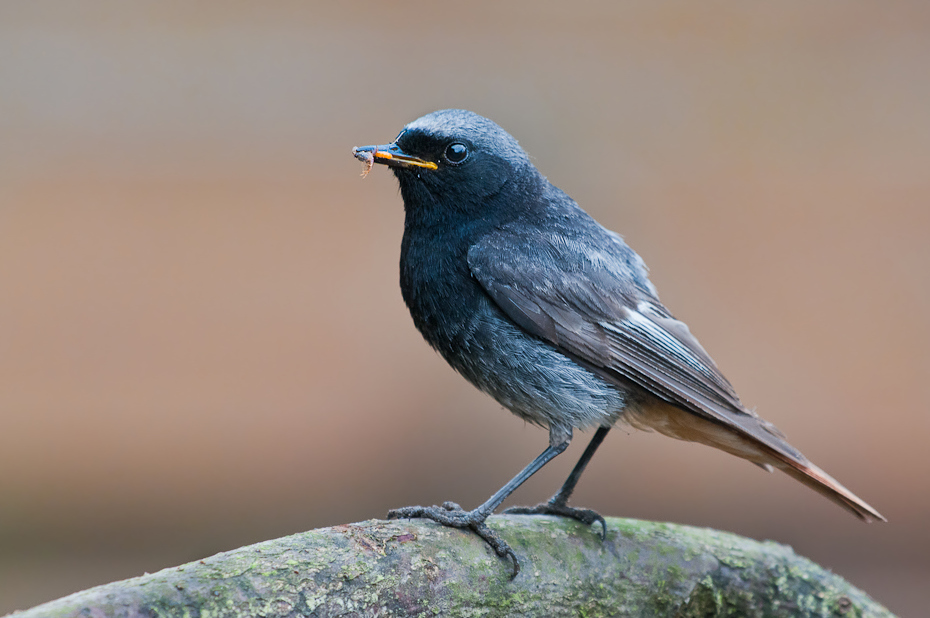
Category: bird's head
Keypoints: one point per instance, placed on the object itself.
(453, 159)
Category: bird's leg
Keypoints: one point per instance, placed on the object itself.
(453, 515)
(558, 504)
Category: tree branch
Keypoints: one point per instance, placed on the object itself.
(417, 568)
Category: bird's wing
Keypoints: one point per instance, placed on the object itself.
(590, 299)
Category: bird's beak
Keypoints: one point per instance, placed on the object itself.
(390, 155)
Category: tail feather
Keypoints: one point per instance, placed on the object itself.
(774, 451)
(827, 486)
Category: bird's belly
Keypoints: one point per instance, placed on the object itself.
(530, 377)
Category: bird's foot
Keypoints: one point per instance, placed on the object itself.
(452, 515)
(585, 516)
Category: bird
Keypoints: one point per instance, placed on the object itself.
(554, 316)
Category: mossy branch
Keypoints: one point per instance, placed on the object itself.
(417, 568)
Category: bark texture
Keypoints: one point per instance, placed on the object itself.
(417, 568)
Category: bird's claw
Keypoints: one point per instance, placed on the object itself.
(585, 516)
(454, 516)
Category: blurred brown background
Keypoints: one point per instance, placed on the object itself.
(202, 340)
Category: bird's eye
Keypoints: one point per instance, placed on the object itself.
(456, 152)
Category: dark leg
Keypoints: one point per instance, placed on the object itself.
(451, 514)
(558, 504)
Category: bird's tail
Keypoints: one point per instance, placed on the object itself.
(827, 486)
(753, 439)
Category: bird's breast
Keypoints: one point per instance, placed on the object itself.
(442, 296)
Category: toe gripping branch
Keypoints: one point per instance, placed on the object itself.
(452, 515)
(585, 516)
